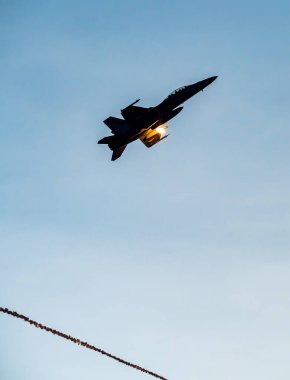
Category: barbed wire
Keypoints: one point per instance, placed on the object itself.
(78, 342)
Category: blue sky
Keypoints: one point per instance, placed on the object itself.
(176, 257)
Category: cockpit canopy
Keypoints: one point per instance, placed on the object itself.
(176, 91)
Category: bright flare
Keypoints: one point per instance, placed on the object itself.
(161, 130)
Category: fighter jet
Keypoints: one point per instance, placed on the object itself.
(149, 125)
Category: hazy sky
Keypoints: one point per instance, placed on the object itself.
(175, 257)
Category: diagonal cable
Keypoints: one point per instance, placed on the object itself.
(78, 342)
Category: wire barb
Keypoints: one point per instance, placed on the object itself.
(78, 342)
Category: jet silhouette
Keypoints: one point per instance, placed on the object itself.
(148, 124)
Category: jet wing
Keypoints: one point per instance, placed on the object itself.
(132, 113)
(117, 126)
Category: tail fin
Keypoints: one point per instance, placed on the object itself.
(118, 152)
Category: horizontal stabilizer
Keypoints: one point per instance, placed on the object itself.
(106, 140)
(118, 152)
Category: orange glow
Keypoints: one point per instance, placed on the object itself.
(161, 130)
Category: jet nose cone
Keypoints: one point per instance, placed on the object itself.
(206, 82)
(210, 80)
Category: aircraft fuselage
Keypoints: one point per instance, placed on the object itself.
(138, 120)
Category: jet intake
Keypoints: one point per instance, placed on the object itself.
(170, 114)
(166, 116)
(175, 112)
